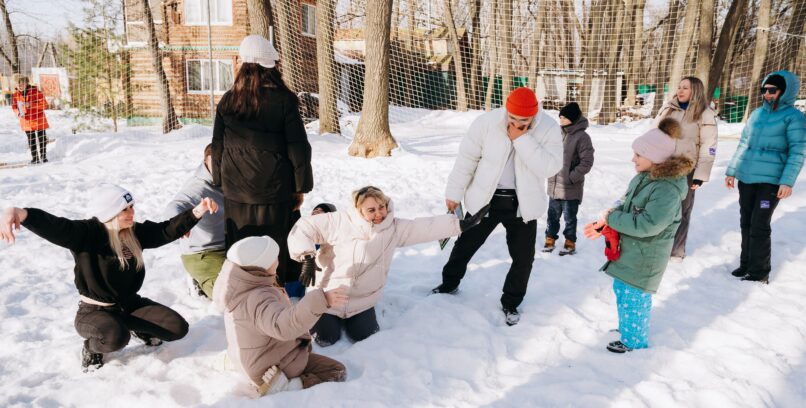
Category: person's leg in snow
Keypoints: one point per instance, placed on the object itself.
(757, 203)
(204, 268)
(32, 146)
(149, 319)
(552, 223)
(327, 330)
(104, 331)
(634, 307)
(322, 369)
(570, 211)
(463, 250)
(521, 238)
(362, 325)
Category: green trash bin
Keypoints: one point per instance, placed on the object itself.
(734, 108)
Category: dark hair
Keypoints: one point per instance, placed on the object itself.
(243, 100)
(208, 150)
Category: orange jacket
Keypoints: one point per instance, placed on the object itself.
(31, 102)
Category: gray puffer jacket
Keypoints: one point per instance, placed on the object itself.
(577, 162)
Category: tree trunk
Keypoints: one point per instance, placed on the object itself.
(706, 41)
(633, 73)
(726, 37)
(760, 55)
(598, 10)
(450, 24)
(411, 11)
(328, 85)
(610, 103)
(505, 8)
(10, 53)
(475, 55)
(259, 12)
(492, 44)
(686, 37)
(662, 74)
(288, 25)
(169, 120)
(373, 137)
(795, 39)
(534, 48)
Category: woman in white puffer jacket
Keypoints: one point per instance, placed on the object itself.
(357, 250)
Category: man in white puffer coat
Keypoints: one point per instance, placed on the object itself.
(504, 161)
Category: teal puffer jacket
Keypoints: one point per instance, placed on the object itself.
(773, 142)
(647, 222)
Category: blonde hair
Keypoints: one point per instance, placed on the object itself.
(360, 195)
(120, 238)
(698, 102)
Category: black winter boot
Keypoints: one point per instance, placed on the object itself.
(512, 316)
(445, 288)
(147, 339)
(90, 360)
(739, 272)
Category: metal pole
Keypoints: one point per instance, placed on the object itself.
(210, 56)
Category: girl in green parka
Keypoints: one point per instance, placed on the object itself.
(646, 220)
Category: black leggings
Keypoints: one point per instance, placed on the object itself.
(38, 142)
(107, 328)
(359, 327)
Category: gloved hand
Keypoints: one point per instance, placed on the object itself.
(612, 246)
(309, 268)
(472, 220)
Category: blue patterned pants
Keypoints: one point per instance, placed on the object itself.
(634, 306)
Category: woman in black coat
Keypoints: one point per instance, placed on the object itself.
(109, 269)
(261, 154)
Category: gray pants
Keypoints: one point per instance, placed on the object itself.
(679, 248)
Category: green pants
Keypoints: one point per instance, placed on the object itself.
(204, 267)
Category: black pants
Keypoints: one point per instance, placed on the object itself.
(37, 142)
(107, 328)
(568, 209)
(359, 327)
(680, 238)
(757, 202)
(520, 242)
(251, 220)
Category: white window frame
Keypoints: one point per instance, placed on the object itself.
(311, 18)
(203, 5)
(205, 72)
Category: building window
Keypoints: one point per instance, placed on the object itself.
(198, 74)
(308, 19)
(196, 12)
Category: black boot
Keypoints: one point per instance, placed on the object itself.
(147, 339)
(512, 316)
(739, 272)
(445, 288)
(763, 279)
(90, 360)
(617, 347)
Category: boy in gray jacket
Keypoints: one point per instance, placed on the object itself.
(203, 250)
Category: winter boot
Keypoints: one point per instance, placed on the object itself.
(764, 279)
(549, 245)
(512, 316)
(739, 272)
(147, 339)
(274, 381)
(617, 347)
(445, 288)
(195, 289)
(569, 248)
(89, 360)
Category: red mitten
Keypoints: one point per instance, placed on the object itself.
(612, 249)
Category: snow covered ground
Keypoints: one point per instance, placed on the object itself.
(715, 341)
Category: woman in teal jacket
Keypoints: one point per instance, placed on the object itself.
(766, 163)
(647, 221)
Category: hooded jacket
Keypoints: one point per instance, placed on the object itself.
(33, 104)
(358, 254)
(208, 234)
(578, 152)
(483, 153)
(773, 143)
(647, 222)
(263, 327)
(698, 139)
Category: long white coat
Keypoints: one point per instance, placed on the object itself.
(358, 254)
(483, 154)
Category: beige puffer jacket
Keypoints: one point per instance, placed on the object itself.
(263, 327)
(697, 141)
(360, 253)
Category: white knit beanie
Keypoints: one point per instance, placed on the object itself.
(258, 50)
(658, 145)
(258, 252)
(108, 201)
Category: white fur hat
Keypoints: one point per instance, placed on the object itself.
(108, 200)
(259, 252)
(258, 50)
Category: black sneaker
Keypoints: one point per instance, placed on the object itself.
(445, 288)
(617, 347)
(147, 339)
(90, 360)
(512, 316)
(739, 272)
(764, 279)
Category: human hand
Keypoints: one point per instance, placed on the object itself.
(515, 132)
(10, 221)
(784, 192)
(451, 205)
(336, 298)
(593, 230)
(206, 205)
(730, 182)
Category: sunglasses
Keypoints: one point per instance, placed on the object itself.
(769, 90)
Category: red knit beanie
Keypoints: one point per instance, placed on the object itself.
(522, 102)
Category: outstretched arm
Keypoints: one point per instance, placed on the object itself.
(63, 232)
(154, 234)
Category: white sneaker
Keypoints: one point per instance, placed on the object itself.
(676, 259)
(274, 381)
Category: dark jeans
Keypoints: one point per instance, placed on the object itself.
(679, 248)
(757, 202)
(37, 142)
(568, 209)
(520, 242)
(359, 327)
(107, 328)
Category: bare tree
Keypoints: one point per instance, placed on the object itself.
(169, 120)
(328, 88)
(686, 37)
(9, 51)
(760, 55)
(411, 12)
(450, 24)
(598, 10)
(609, 102)
(288, 20)
(373, 137)
(492, 45)
(534, 49)
(505, 26)
(662, 72)
(475, 55)
(633, 73)
(706, 41)
(726, 38)
(259, 12)
(796, 26)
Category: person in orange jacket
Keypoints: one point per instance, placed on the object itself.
(29, 104)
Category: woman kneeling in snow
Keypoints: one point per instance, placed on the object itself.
(267, 336)
(109, 270)
(357, 250)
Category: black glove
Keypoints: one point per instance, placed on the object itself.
(308, 274)
(471, 221)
